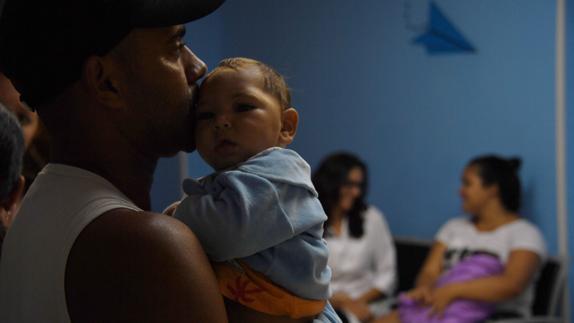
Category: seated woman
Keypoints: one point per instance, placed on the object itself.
(362, 253)
(491, 194)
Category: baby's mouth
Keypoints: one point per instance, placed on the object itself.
(225, 145)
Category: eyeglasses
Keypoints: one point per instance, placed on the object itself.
(352, 184)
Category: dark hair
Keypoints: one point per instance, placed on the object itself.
(273, 81)
(494, 170)
(330, 177)
(11, 152)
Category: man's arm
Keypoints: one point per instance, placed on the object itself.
(131, 266)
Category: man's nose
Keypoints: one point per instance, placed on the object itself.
(195, 68)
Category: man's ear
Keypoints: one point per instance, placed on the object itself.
(290, 121)
(100, 77)
(9, 208)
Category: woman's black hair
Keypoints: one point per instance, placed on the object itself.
(494, 170)
(330, 177)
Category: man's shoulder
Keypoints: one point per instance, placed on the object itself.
(130, 229)
(126, 260)
(120, 238)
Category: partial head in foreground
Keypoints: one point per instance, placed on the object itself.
(11, 154)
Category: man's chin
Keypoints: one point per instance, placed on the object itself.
(189, 147)
(186, 139)
(185, 147)
(189, 150)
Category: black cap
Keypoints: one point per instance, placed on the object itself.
(44, 43)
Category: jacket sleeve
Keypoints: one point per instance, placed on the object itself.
(236, 215)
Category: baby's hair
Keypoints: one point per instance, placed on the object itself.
(273, 81)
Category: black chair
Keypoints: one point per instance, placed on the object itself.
(411, 255)
(549, 288)
(547, 294)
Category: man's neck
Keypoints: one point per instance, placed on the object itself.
(128, 170)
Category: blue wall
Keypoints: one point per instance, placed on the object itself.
(361, 85)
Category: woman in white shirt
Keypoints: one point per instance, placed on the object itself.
(361, 250)
(491, 194)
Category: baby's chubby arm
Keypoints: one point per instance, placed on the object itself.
(236, 215)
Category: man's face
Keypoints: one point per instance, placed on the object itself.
(159, 89)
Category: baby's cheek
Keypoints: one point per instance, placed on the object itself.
(201, 138)
(200, 130)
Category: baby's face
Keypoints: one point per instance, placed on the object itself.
(236, 117)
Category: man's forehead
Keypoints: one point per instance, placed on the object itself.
(176, 31)
(144, 39)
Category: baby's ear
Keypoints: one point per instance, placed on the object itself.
(290, 121)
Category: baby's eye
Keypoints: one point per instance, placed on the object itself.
(205, 115)
(244, 107)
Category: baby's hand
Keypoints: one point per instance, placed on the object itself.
(170, 210)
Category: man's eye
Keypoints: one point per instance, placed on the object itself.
(179, 48)
(244, 107)
(205, 115)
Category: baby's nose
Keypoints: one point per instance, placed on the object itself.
(222, 122)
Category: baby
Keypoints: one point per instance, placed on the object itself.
(257, 216)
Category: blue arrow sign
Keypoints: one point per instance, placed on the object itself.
(441, 36)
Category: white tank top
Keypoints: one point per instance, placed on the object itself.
(61, 202)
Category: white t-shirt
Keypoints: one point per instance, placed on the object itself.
(61, 202)
(462, 239)
(359, 265)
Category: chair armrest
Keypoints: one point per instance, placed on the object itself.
(537, 319)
